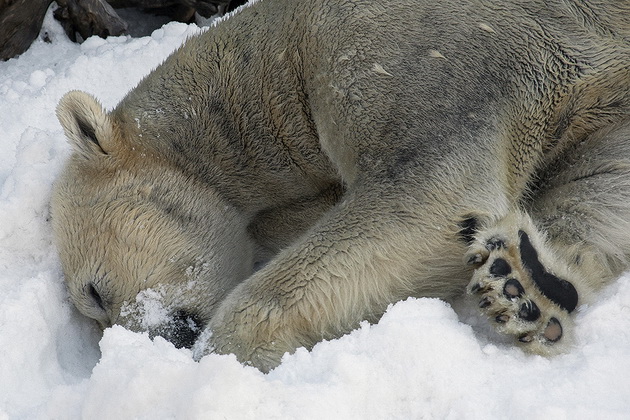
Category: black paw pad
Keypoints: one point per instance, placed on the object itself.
(553, 331)
(513, 289)
(559, 291)
(500, 268)
(529, 311)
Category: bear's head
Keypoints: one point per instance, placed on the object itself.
(141, 243)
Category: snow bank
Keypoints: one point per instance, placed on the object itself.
(420, 361)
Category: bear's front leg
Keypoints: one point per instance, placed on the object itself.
(364, 254)
(259, 324)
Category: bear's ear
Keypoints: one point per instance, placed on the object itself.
(86, 124)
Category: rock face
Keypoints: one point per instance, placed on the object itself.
(21, 20)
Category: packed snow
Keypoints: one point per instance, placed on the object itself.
(422, 360)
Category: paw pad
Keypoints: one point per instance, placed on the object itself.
(513, 289)
(529, 311)
(560, 291)
(500, 268)
(516, 290)
(553, 331)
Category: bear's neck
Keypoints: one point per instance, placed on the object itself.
(229, 108)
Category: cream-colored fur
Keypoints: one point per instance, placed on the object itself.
(354, 151)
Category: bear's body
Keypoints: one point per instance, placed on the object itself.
(372, 151)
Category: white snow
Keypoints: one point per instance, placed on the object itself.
(420, 361)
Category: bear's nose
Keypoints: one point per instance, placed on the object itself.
(182, 330)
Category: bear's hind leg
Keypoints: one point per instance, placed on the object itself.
(583, 205)
(534, 268)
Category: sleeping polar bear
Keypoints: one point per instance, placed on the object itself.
(357, 153)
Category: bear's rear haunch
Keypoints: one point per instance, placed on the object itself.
(304, 164)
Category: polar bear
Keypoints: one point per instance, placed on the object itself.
(304, 164)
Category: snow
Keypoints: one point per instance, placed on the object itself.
(422, 360)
